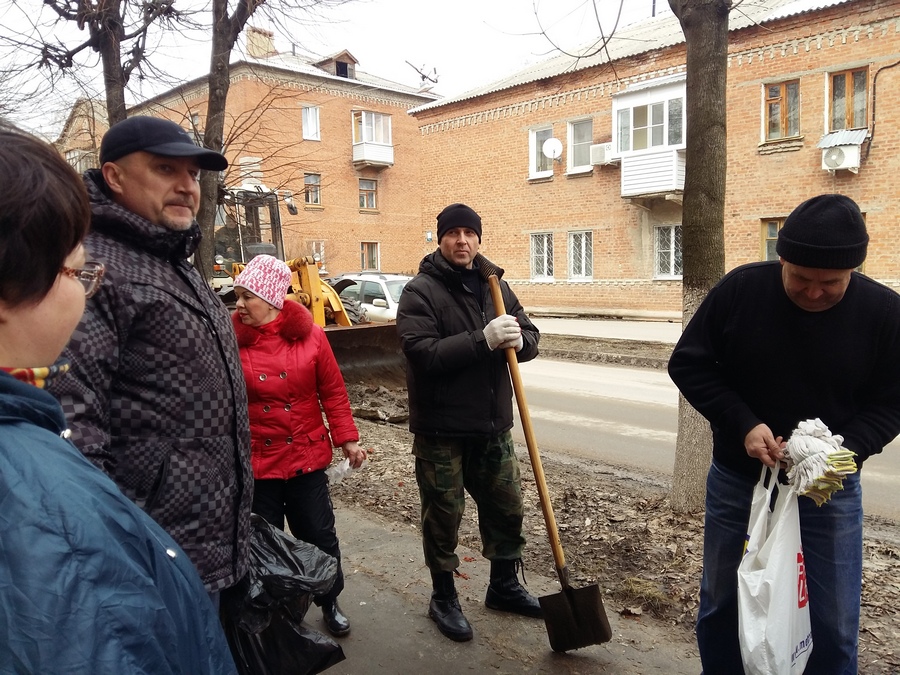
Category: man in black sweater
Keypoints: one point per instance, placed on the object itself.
(772, 345)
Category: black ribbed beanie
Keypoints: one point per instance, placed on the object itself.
(825, 232)
(458, 215)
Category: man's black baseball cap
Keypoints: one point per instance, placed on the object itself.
(159, 137)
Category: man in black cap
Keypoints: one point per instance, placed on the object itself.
(460, 410)
(772, 345)
(155, 396)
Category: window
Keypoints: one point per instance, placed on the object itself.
(310, 124)
(196, 129)
(782, 110)
(371, 291)
(542, 256)
(770, 237)
(668, 251)
(650, 126)
(581, 255)
(368, 255)
(250, 170)
(312, 188)
(539, 165)
(81, 160)
(368, 190)
(371, 127)
(848, 99)
(581, 134)
(317, 249)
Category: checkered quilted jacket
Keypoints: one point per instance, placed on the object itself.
(156, 395)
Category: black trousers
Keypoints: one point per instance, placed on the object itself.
(306, 503)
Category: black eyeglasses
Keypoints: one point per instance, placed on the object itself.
(90, 276)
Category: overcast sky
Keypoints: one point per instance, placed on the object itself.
(468, 43)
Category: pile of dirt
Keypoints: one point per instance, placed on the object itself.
(618, 531)
(616, 528)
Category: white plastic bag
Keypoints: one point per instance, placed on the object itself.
(337, 472)
(773, 605)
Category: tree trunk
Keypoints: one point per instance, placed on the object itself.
(108, 36)
(214, 134)
(705, 27)
(225, 31)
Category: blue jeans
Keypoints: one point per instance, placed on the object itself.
(832, 550)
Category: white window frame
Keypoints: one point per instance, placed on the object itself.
(539, 166)
(363, 249)
(663, 91)
(541, 260)
(81, 160)
(371, 127)
(581, 242)
(373, 192)
(317, 248)
(312, 189)
(250, 171)
(668, 268)
(574, 146)
(309, 123)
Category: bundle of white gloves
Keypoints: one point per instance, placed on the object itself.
(817, 462)
(503, 332)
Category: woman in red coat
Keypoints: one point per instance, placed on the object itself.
(290, 370)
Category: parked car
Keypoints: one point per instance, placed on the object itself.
(377, 292)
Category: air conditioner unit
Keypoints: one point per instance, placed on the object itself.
(841, 157)
(602, 154)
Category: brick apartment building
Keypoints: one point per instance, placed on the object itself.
(596, 225)
(331, 147)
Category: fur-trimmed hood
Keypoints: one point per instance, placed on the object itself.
(294, 323)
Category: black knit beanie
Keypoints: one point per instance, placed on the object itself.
(825, 232)
(458, 215)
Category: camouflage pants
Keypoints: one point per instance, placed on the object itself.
(488, 470)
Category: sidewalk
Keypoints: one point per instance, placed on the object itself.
(649, 331)
(386, 600)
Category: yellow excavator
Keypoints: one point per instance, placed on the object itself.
(367, 353)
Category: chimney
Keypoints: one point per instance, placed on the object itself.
(260, 42)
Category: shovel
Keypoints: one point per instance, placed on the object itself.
(574, 617)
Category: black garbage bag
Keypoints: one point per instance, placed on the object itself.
(262, 614)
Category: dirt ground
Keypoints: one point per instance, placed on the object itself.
(616, 526)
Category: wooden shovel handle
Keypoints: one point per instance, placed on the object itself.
(531, 442)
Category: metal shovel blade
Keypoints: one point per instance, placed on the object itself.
(575, 618)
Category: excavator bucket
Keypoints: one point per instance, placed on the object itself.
(369, 353)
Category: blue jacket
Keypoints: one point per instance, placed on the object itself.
(88, 582)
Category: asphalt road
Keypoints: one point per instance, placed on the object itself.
(629, 417)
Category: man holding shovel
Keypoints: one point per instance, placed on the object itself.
(460, 405)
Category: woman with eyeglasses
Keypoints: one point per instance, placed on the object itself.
(88, 582)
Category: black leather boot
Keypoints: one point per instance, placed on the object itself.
(506, 594)
(444, 608)
(335, 621)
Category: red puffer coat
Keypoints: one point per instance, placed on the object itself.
(289, 368)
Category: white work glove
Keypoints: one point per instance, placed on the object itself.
(516, 344)
(817, 460)
(502, 331)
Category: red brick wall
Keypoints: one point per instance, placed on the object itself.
(476, 151)
(264, 120)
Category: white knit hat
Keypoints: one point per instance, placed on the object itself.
(266, 277)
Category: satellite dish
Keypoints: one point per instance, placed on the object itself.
(552, 148)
